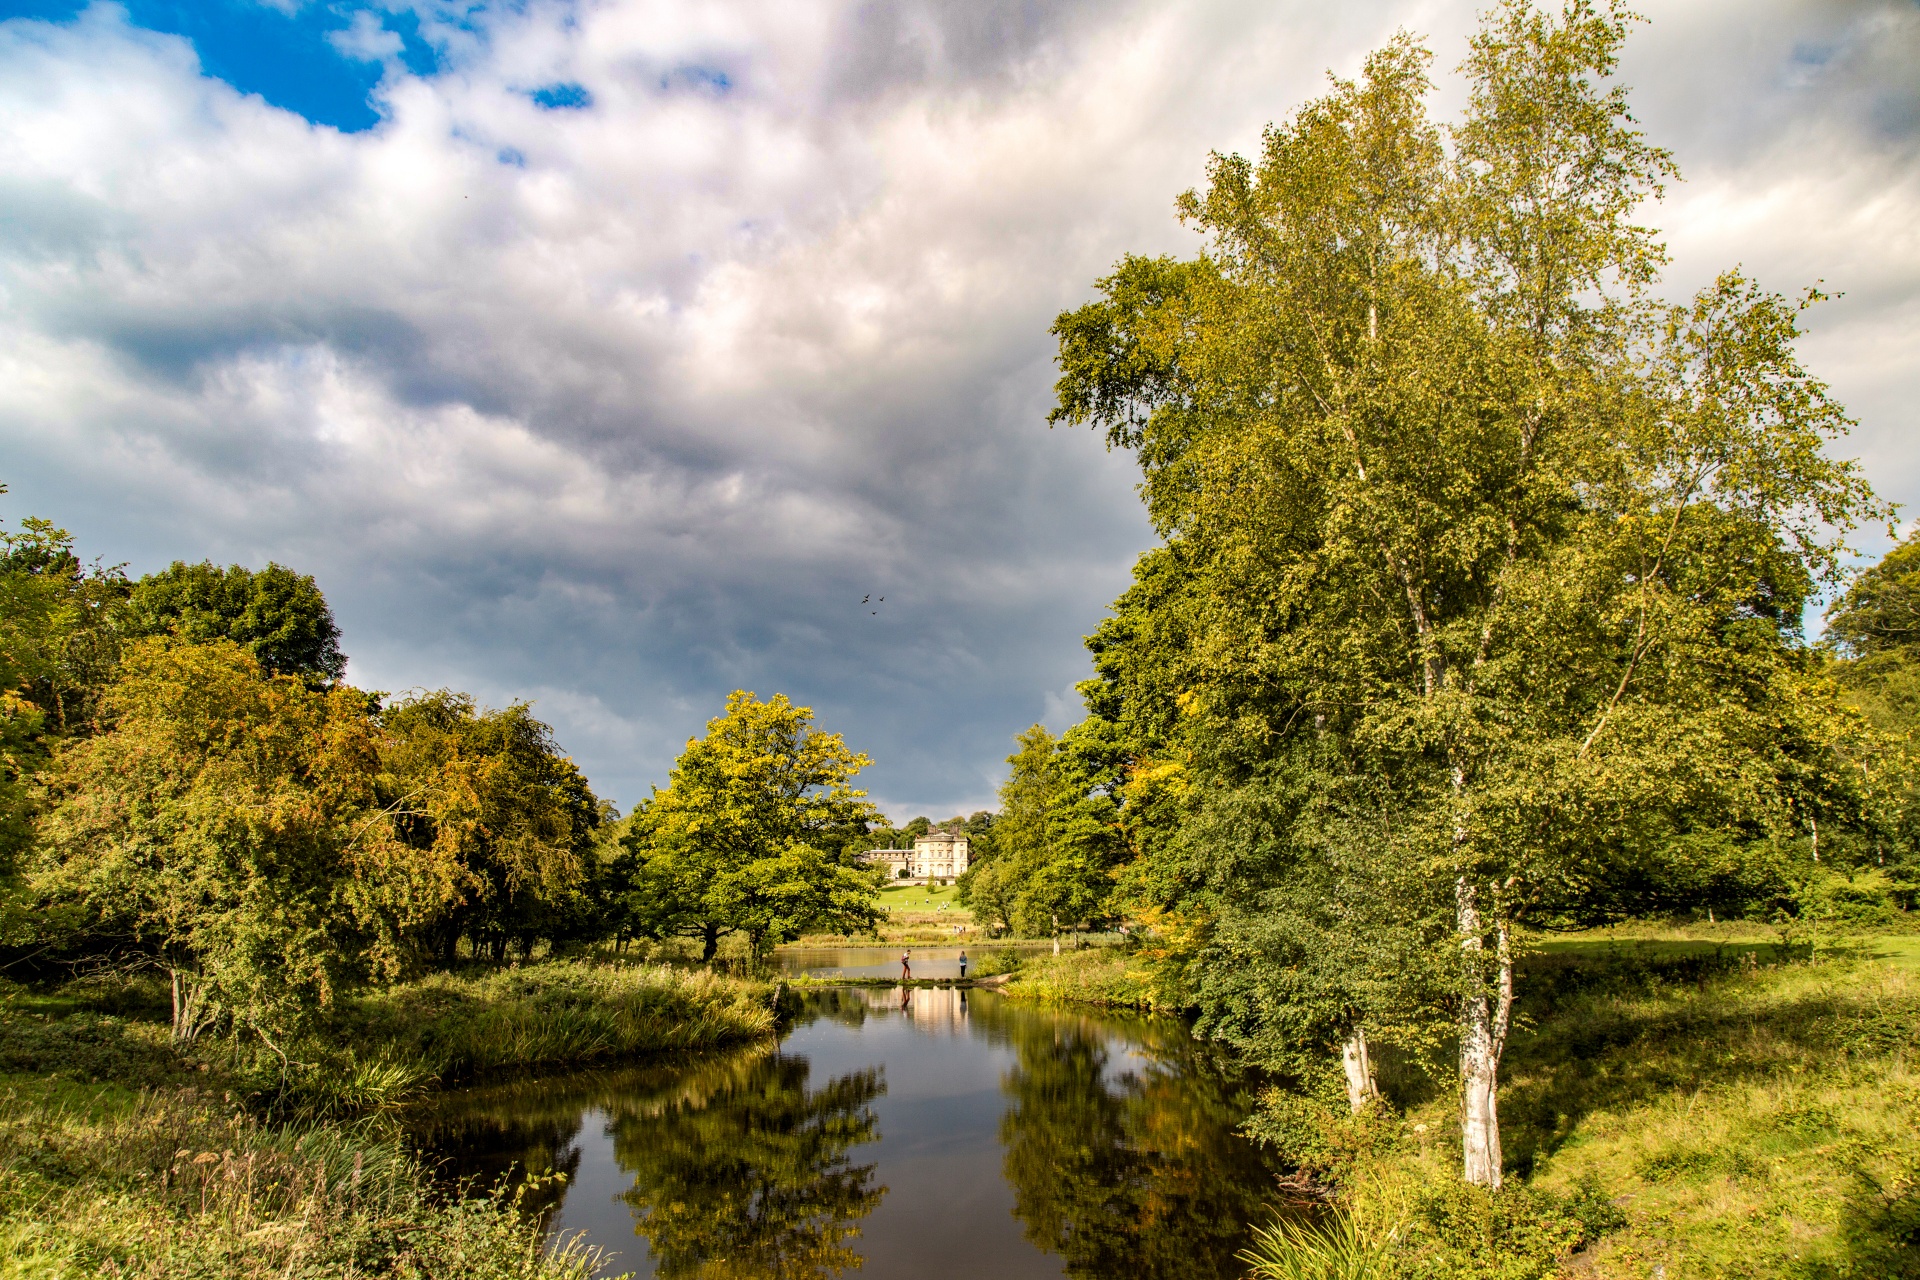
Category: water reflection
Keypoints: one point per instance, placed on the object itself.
(1123, 1156)
(1017, 1141)
(754, 1178)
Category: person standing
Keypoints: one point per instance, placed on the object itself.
(906, 966)
(963, 963)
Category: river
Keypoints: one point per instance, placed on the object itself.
(930, 1133)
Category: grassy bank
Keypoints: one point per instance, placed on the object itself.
(1685, 1103)
(1104, 976)
(1669, 1111)
(449, 1028)
(121, 1155)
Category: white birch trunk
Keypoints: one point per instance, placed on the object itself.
(1484, 1019)
(1358, 1065)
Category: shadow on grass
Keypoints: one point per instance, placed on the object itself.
(1612, 1031)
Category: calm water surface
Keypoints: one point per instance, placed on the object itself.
(927, 1134)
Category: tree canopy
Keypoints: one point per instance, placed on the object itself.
(759, 831)
(1482, 568)
(276, 614)
(230, 827)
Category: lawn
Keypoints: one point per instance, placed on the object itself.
(920, 897)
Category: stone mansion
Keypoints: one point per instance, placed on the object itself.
(937, 855)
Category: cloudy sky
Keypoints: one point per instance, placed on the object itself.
(608, 353)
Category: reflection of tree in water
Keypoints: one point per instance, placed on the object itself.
(1134, 1172)
(752, 1178)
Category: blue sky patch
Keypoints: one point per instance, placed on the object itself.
(293, 60)
(705, 79)
(562, 96)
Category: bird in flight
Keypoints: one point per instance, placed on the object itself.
(865, 598)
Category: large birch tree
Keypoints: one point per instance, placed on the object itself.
(1456, 508)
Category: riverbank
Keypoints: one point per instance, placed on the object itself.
(121, 1154)
(1702, 1102)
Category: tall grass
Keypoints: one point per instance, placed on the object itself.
(1098, 975)
(448, 1028)
(175, 1185)
(1336, 1249)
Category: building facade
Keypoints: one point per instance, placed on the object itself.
(937, 855)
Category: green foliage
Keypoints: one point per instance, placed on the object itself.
(1479, 600)
(1056, 843)
(61, 623)
(228, 829)
(488, 793)
(759, 831)
(277, 615)
(1873, 628)
(1880, 612)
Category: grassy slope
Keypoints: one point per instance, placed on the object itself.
(1740, 1111)
(1763, 1122)
(114, 1148)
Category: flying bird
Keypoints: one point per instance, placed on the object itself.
(867, 597)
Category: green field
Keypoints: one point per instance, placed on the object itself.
(920, 897)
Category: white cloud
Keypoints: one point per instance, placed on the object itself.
(627, 405)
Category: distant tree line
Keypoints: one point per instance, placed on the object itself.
(188, 784)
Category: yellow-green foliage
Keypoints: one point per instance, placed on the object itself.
(451, 1027)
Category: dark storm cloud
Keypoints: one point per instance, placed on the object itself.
(753, 328)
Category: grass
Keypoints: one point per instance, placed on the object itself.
(1668, 1109)
(1104, 976)
(922, 897)
(121, 1156)
(448, 1027)
(1758, 1122)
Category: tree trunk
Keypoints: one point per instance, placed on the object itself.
(1056, 935)
(1358, 1064)
(191, 1013)
(709, 942)
(1484, 1019)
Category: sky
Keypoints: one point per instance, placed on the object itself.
(611, 354)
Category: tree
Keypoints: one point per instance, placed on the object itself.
(1875, 629)
(277, 615)
(1500, 556)
(759, 831)
(1055, 845)
(488, 791)
(61, 623)
(229, 829)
